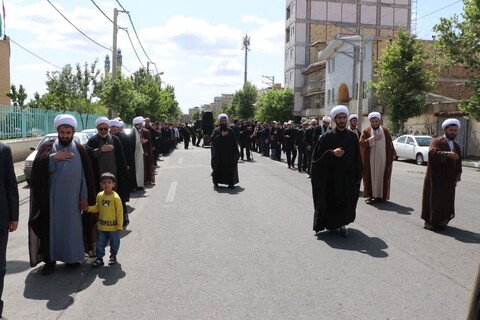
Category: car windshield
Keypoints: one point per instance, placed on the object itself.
(49, 138)
(423, 141)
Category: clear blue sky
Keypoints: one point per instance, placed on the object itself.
(197, 44)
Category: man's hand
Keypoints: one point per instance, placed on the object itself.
(224, 133)
(64, 155)
(453, 155)
(143, 140)
(107, 148)
(83, 205)
(376, 137)
(339, 152)
(12, 226)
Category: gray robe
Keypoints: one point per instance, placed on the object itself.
(67, 187)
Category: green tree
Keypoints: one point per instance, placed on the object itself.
(403, 80)
(244, 100)
(73, 90)
(17, 97)
(458, 43)
(275, 105)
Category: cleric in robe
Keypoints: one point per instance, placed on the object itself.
(378, 153)
(444, 170)
(62, 186)
(225, 154)
(335, 176)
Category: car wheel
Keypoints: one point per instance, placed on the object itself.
(419, 159)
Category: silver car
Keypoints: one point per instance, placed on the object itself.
(79, 137)
(413, 147)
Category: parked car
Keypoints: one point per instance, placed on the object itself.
(79, 137)
(413, 147)
(90, 132)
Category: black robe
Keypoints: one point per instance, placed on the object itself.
(121, 175)
(335, 180)
(225, 156)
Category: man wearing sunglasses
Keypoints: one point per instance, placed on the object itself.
(107, 155)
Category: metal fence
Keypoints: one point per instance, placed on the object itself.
(31, 122)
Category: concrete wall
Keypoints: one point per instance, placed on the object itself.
(473, 140)
(21, 148)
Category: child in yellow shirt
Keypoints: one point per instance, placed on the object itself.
(110, 220)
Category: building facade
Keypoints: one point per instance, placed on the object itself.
(311, 25)
(4, 71)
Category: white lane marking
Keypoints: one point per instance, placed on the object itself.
(180, 160)
(171, 191)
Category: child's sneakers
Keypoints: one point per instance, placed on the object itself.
(112, 261)
(97, 263)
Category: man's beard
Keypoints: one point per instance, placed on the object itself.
(65, 142)
(341, 125)
(375, 128)
(450, 136)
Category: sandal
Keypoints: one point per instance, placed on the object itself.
(97, 263)
(112, 261)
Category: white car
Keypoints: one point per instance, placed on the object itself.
(79, 137)
(413, 147)
(90, 132)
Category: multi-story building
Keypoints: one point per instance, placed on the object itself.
(311, 25)
(4, 71)
(221, 101)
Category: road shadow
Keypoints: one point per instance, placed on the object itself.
(393, 207)
(124, 233)
(460, 234)
(57, 288)
(222, 189)
(16, 266)
(130, 209)
(356, 241)
(138, 194)
(110, 274)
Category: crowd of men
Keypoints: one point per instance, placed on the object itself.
(338, 159)
(66, 176)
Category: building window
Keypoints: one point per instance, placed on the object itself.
(328, 96)
(287, 36)
(288, 13)
(333, 96)
(333, 64)
(364, 93)
(292, 31)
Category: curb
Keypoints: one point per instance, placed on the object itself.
(21, 178)
(471, 164)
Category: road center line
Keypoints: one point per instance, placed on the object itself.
(171, 191)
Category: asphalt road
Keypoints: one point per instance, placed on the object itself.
(191, 252)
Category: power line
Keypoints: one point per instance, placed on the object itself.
(33, 54)
(135, 31)
(96, 5)
(78, 28)
(134, 50)
(429, 14)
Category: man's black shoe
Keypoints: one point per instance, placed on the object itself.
(48, 268)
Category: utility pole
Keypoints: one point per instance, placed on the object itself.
(114, 49)
(271, 82)
(246, 45)
(361, 55)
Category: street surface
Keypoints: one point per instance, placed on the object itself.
(191, 252)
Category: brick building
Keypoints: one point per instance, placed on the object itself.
(4, 71)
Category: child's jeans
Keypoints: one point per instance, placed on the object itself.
(103, 237)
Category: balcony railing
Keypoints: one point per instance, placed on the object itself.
(314, 86)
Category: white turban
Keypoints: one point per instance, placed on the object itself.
(115, 123)
(138, 120)
(374, 115)
(450, 122)
(65, 119)
(327, 119)
(221, 116)
(121, 123)
(336, 111)
(101, 120)
(353, 116)
(290, 122)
